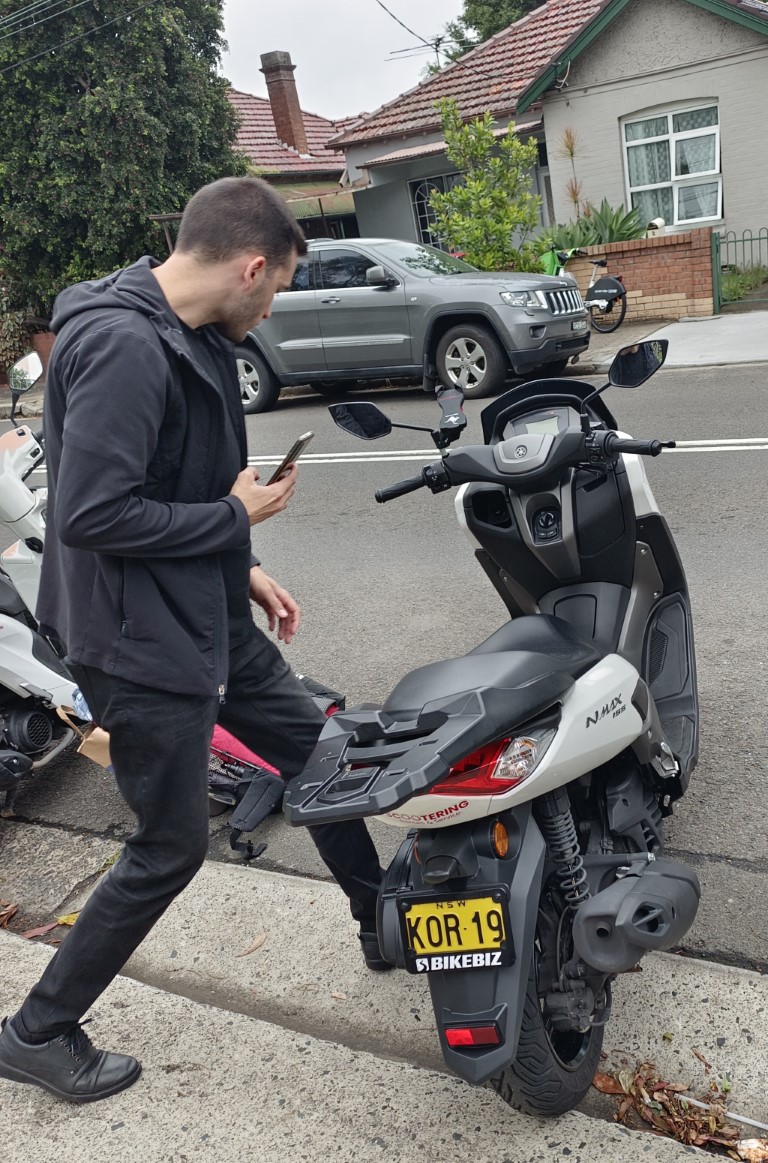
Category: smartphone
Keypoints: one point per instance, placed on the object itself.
(292, 456)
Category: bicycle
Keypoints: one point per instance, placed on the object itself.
(606, 297)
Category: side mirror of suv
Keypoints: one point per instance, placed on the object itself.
(379, 277)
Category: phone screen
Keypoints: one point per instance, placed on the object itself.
(291, 456)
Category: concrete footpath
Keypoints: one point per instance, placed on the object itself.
(258, 1025)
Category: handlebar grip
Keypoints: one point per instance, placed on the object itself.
(38, 435)
(389, 492)
(641, 447)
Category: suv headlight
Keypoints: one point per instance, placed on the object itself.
(528, 299)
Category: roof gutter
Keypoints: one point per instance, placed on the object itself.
(577, 46)
(546, 79)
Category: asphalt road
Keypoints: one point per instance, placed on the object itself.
(387, 588)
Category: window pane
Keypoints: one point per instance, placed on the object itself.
(694, 119)
(649, 164)
(301, 276)
(653, 127)
(698, 201)
(655, 204)
(344, 268)
(695, 155)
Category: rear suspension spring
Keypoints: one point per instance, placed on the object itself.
(559, 831)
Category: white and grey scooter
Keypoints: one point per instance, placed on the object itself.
(33, 679)
(533, 774)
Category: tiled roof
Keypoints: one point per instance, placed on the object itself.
(437, 147)
(258, 139)
(488, 78)
(495, 74)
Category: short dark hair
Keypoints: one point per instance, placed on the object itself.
(234, 215)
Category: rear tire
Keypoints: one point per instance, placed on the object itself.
(553, 1069)
(259, 386)
(471, 358)
(610, 320)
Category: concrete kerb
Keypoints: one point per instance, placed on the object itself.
(216, 1083)
(308, 976)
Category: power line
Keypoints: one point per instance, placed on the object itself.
(31, 11)
(28, 27)
(74, 39)
(405, 26)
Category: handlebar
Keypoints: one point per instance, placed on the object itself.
(389, 492)
(614, 444)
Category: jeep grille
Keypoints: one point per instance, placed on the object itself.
(564, 302)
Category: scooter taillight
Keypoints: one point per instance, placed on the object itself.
(477, 774)
(496, 767)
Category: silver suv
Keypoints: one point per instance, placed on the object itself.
(375, 308)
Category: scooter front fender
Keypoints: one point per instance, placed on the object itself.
(495, 995)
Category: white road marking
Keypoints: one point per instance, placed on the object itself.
(381, 456)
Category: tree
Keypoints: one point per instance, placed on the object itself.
(482, 19)
(490, 213)
(127, 120)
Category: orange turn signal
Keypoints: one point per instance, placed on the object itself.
(499, 839)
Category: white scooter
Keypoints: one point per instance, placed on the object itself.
(34, 682)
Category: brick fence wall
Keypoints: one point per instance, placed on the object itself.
(666, 278)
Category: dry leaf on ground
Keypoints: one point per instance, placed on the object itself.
(753, 1150)
(255, 944)
(67, 919)
(339, 996)
(41, 930)
(7, 912)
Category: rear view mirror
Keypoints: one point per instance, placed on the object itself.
(361, 419)
(25, 373)
(636, 364)
(379, 277)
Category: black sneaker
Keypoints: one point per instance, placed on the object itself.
(371, 951)
(69, 1066)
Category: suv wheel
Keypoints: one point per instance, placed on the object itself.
(259, 387)
(470, 357)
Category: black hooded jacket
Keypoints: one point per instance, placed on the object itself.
(142, 449)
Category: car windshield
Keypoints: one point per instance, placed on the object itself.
(426, 260)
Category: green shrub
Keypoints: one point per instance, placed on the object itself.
(596, 227)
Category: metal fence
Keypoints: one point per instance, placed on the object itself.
(740, 267)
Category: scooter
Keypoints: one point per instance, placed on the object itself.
(533, 774)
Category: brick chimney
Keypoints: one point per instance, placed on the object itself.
(281, 86)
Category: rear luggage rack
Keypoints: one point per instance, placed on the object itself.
(367, 761)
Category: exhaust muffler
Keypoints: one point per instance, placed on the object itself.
(651, 906)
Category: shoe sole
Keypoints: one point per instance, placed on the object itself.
(15, 1075)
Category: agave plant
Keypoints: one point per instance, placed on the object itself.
(596, 227)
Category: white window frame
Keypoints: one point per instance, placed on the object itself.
(677, 183)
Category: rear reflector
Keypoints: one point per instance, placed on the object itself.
(457, 1036)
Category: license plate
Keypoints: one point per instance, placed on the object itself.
(579, 325)
(456, 932)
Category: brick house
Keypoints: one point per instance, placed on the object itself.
(665, 97)
(288, 148)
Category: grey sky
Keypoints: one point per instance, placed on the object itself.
(341, 48)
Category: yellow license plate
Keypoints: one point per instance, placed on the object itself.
(469, 932)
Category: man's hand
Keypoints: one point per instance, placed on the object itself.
(280, 608)
(263, 501)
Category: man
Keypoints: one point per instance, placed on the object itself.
(146, 580)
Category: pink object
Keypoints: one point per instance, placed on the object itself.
(225, 744)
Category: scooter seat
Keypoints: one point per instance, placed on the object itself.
(544, 634)
(535, 659)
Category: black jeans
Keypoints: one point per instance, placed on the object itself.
(159, 745)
